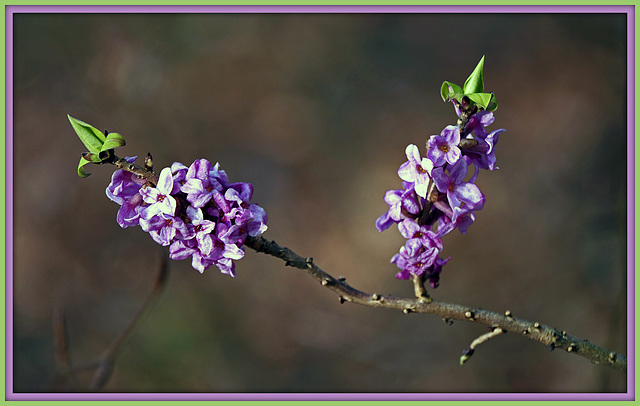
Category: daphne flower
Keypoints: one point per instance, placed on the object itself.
(402, 204)
(416, 170)
(459, 193)
(444, 148)
(179, 172)
(124, 184)
(164, 229)
(199, 186)
(159, 198)
(422, 234)
(202, 229)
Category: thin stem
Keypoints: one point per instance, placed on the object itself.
(419, 289)
(541, 333)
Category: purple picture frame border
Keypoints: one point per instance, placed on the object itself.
(629, 10)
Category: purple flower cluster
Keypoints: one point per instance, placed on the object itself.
(193, 210)
(436, 196)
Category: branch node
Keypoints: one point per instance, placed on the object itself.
(342, 300)
(508, 315)
(288, 263)
(309, 262)
(408, 309)
(470, 315)
(376, 297)
(552, 347)
(342, 278)
(447, 321)
(425, 299)
(536, 325)
(612, 357)
(325, 282)
(148, 162)
(572, 347)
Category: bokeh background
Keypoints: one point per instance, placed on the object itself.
(316, 110)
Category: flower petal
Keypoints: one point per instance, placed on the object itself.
(232, 251)
(421, 185)
(470, 194)
(165, 181)
(441, 179)
(407, 172)
(408, 228)
(383, 222)
(451, 134)
(413, 154)
(458, 171)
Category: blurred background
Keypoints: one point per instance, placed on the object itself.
(316, 111)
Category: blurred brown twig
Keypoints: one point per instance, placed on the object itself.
(104, 364)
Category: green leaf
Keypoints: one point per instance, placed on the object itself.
(91, 157)
(91, 137)
(475, 81)
(481, 99)
(449, 91)
(493, 104)
(81, 172)
(113, 140)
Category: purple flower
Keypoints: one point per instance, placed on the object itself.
(463, 219)
(402, 204)
(124, 184)
(124, 189)
(223, 248)
(179, 172)
(226, 266)
(159, 198)
(210, 227)
(422, 234)
(199, 186)
(240, 193)
(247, 222)
(433, 276)
(459, 193)
(444, 148)
(258, 224)
(202, 229)
(129, 213)
(164, 229)
(414, 261)
(416, 170)
(483, 155)
(219, 175)
(477, 122)
(183, 249)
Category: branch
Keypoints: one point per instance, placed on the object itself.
(546, 335)
(506, 322)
